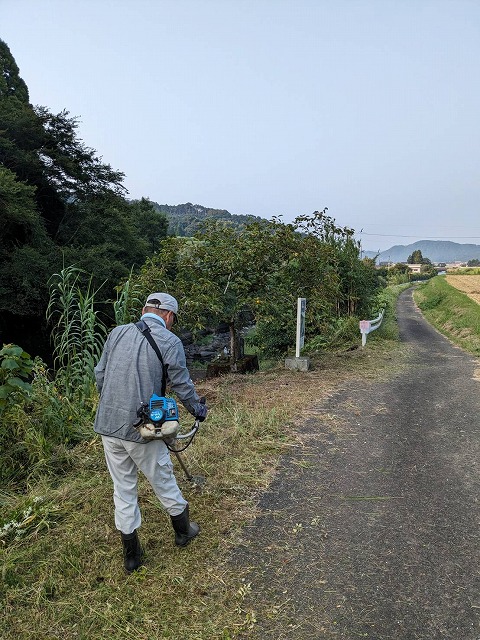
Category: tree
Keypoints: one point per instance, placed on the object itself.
(218, 275)
(417, 258)
(428, 270)
(234, 275)
(26, 257)
(473, 263)
(10, 82)
(60, 204)
(151, 225)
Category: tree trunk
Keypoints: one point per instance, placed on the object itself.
(236, 346)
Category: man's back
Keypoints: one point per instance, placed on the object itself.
(129, 372)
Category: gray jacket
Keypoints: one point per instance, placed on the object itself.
(129, 372)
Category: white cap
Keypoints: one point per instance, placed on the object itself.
(162, 301)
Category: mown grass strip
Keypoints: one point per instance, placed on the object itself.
(452, 312)
(65, 579)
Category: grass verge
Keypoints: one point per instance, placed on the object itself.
(452, 312)
(388, 330)
(61, 559)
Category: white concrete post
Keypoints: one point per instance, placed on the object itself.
(301, 308)
(301, 364)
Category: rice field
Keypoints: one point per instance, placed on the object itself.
(467, 284)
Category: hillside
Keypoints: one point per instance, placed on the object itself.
(435, 250)
(185, 219)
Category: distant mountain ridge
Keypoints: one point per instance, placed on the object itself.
(434, 250)
(186, 219)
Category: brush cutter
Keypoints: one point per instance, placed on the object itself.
(158, 420)
(197, 481)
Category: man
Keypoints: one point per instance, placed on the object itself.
(128, 373)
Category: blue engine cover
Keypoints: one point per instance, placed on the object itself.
(162, 409)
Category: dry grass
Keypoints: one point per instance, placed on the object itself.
(64, 577)
(469, 284)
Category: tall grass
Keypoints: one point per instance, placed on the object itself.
(343, 333)
(465, 271)
(77, 333)
(40, 428)
(128, 302)
(387, 299)
(44, 418)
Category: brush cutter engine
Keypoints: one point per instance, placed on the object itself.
(158, 419)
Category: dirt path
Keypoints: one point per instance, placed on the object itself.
(370, 530)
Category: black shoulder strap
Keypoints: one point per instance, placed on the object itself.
(143, 327)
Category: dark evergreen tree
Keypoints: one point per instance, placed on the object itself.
(11, 85)
(417, 258)
(151, 225)
(60, 205)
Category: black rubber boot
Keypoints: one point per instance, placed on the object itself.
(184, 529)
(132, 551)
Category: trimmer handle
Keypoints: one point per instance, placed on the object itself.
(202, 414)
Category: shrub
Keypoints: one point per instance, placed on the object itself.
(343, 332)
(40, 426)
(15, 369)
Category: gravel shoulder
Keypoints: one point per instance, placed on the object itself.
(370, 527)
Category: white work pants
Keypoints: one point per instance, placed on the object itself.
(124, 458)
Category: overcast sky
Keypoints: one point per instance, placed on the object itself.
(273, 107)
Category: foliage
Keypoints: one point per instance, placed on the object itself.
(186, 220)
(127, 302)
(342, 333)
(11, 85)
(427, 271)
(15, 369)
(473, 263)
(150, 224)
(400, 273)
(105, 236)
(40, 426)
(322, 266)
(417, 258)
(255, 274)
(59, 204)
(26, 252)
(77, 333)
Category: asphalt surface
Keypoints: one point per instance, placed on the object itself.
(370, 529)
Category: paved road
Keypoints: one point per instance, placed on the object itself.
(371, 529)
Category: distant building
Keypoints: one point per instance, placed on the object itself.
(415, 268)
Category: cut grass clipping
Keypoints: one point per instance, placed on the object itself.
(61, 557)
